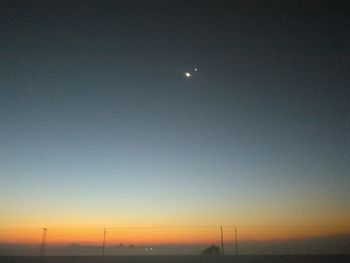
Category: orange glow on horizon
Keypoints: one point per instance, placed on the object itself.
(161, 236)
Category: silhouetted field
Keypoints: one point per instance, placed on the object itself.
(177, 259)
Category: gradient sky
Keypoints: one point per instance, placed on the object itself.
(99, 127)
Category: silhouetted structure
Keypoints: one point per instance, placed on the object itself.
(211, 251)
(236, 241)
(43, 242)
(222, 241)
(104, 242)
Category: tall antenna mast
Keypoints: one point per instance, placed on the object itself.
(43, 242)
(104, 242)
(236, 240)
(222, 241)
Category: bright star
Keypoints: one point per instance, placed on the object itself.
(188, 74)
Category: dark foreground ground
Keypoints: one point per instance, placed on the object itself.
(175, 259)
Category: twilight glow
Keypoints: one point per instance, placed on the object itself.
(100, 126)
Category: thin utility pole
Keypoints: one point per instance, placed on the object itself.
(104, 242)
(222, 241)
(236, 241)
(43, 242)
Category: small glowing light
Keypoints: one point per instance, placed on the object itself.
(188, 74)
(195, 69)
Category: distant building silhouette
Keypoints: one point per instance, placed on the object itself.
(211, 251)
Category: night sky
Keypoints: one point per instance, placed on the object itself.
(100, 127)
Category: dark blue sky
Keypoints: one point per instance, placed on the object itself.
(94, 106)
